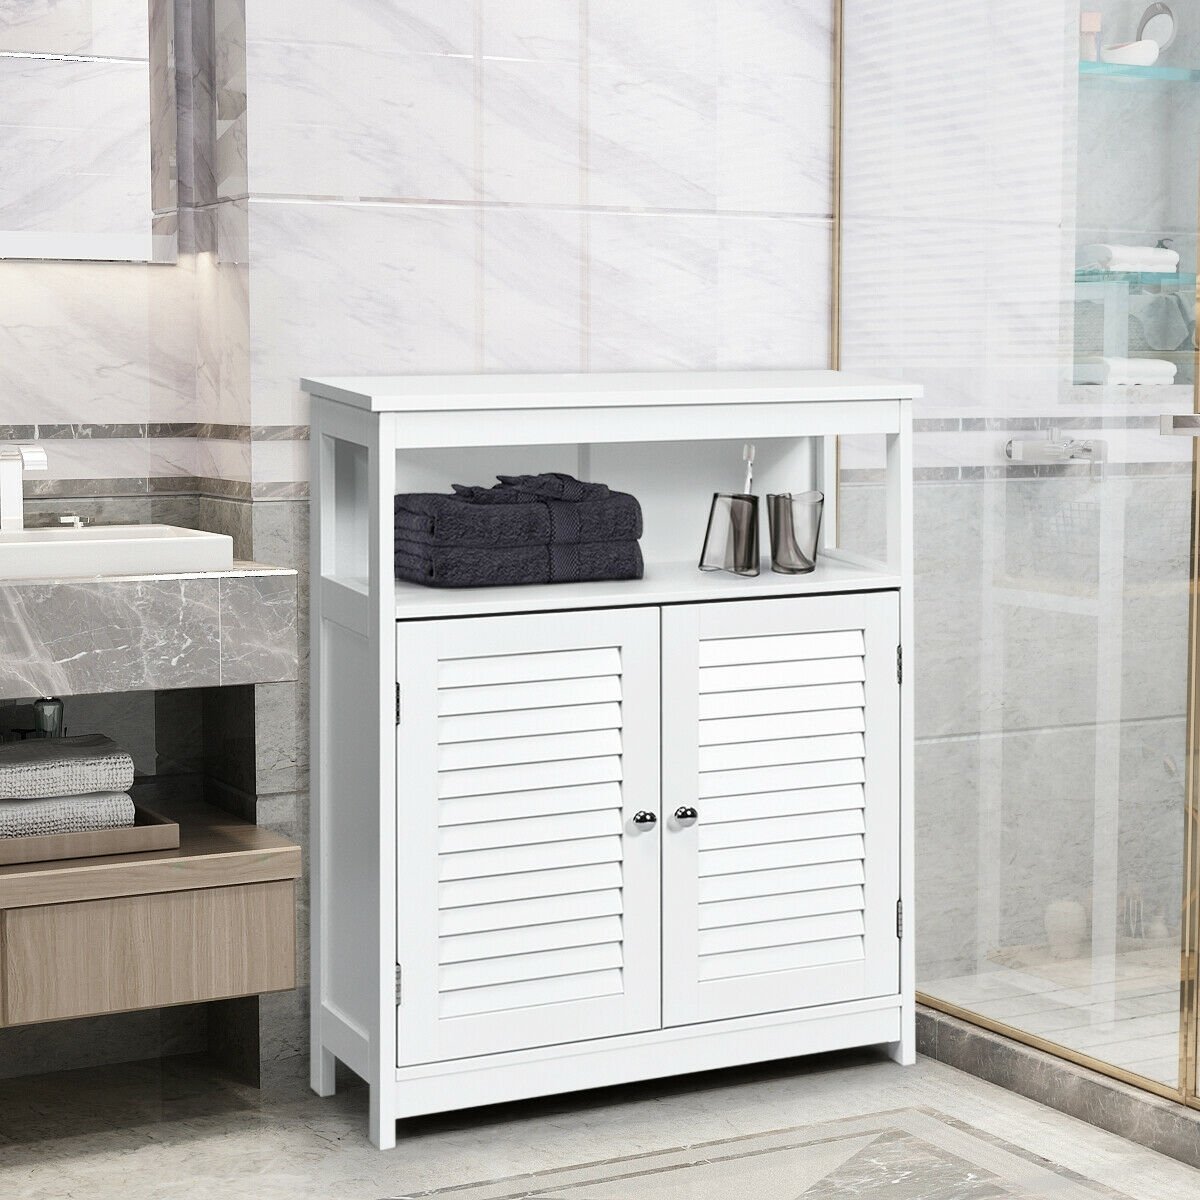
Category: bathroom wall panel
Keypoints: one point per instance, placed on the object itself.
(110, 28)
(530, 132)
(358, 121)
(447, 27)
(533, 289)
(389, 288)
(702, 291)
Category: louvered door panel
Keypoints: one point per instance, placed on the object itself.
(781, 728)
(528, 900)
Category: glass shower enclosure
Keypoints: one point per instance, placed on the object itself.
(1019, 233)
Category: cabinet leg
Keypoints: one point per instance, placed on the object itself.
(382, 1125)
(905, 1050)
(323, 1071)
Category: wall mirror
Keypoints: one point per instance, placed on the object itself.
(87, 105)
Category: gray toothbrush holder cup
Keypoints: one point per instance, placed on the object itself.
(731, 540)
(795, 523)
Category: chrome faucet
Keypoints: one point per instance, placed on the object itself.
(14, 462)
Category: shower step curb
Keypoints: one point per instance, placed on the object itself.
(1158, 1124)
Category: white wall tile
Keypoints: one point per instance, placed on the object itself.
(774, 287)
(346, 289)
(532, 151)
(417, 26)
(705, 291)
(651, 137)
(329, 120)
(533, 30)
(111, 28)
(652, 283)
(532, 290)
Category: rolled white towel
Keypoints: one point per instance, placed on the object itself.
(1112, 256)
(1128, 371)
(66, 814)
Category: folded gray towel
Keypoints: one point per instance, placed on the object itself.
(73, 766)
(439, 520)
(66, 814)
(466, 566)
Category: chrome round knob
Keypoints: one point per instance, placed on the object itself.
(645, 820)
(686, 815)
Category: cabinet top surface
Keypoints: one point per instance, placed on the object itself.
(458, 393)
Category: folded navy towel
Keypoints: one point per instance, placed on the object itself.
(440, 520)
(471, 566)
(517, 489)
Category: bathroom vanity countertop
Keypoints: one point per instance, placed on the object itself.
(241, 569)
(126, 633)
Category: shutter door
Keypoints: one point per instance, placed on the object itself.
(781, 730)
(528, 898)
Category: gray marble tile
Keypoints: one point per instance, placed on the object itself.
(230, 159)
(1147, 1120)
(68, 637)
(258, 629)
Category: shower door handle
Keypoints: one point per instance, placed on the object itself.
(1180, 424)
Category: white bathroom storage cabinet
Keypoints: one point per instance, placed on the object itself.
(579, 834)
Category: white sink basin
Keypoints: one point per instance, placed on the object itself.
(111, 550)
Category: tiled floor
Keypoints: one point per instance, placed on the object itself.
(1124, 1012)
(850, 1125)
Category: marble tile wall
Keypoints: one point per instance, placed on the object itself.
(590, 185)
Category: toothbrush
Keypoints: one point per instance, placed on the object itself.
(748, 458)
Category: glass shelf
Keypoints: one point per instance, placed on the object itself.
(1121, 71)
(1174, 279)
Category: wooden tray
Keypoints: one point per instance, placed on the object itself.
(148, 832)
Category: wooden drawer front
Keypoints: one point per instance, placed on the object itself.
(98, 956)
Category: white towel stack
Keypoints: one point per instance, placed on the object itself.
(64, 785)
(1130, 372)
(1112, 256)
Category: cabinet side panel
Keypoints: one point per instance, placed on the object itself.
(350, 824)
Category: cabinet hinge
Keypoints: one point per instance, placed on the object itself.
(899, 919)
(399, 971)
(899, 664)
(397, 704)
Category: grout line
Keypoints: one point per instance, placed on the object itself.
(585, 225)
(519, 205)
(477, 184)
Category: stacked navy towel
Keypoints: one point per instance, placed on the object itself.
(548, 528)
(64, 785)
